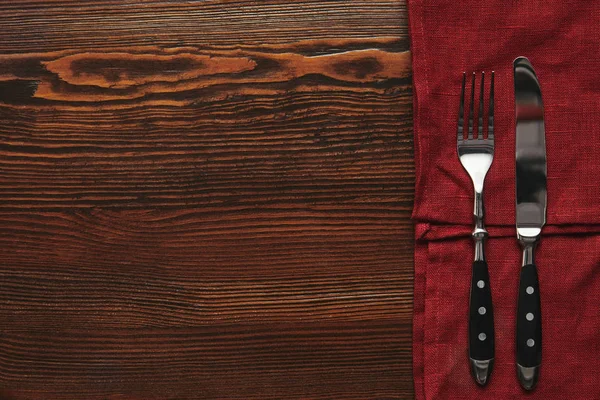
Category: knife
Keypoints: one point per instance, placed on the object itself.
(530, 215)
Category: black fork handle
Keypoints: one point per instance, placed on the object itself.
(481, 324)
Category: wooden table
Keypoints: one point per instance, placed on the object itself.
(205, 200)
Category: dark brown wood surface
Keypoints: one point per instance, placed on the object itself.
(205, 200)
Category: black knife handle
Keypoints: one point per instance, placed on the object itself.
(529, 319)
(481, 314)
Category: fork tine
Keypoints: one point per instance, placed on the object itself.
(480, 114)
(471, 107)
(491, 110)
(461, 111)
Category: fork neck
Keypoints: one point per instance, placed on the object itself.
(479, 233)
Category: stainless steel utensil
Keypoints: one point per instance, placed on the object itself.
(531, 215)
(476, 155)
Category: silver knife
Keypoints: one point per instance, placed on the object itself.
(531, 216)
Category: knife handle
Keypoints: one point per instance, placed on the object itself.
(529, 327)
(481, 323)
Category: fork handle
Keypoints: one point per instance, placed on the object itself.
(481, 323)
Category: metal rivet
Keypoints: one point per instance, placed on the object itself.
(529, 316)
(481, 310)
(480, 284)
(530, 342)
(529, 290)
(482, 336)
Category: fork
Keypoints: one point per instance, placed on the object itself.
(476, 155)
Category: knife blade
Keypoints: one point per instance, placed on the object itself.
(531, 196)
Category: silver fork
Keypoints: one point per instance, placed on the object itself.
(476, 155)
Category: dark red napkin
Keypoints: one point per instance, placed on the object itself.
(562, 41)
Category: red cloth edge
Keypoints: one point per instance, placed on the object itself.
(419, 322)
(415, 45)
(420, 251)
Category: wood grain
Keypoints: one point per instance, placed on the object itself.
(205, 200)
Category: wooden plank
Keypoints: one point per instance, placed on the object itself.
(205, 200)
(42, 25)
(352, 360)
